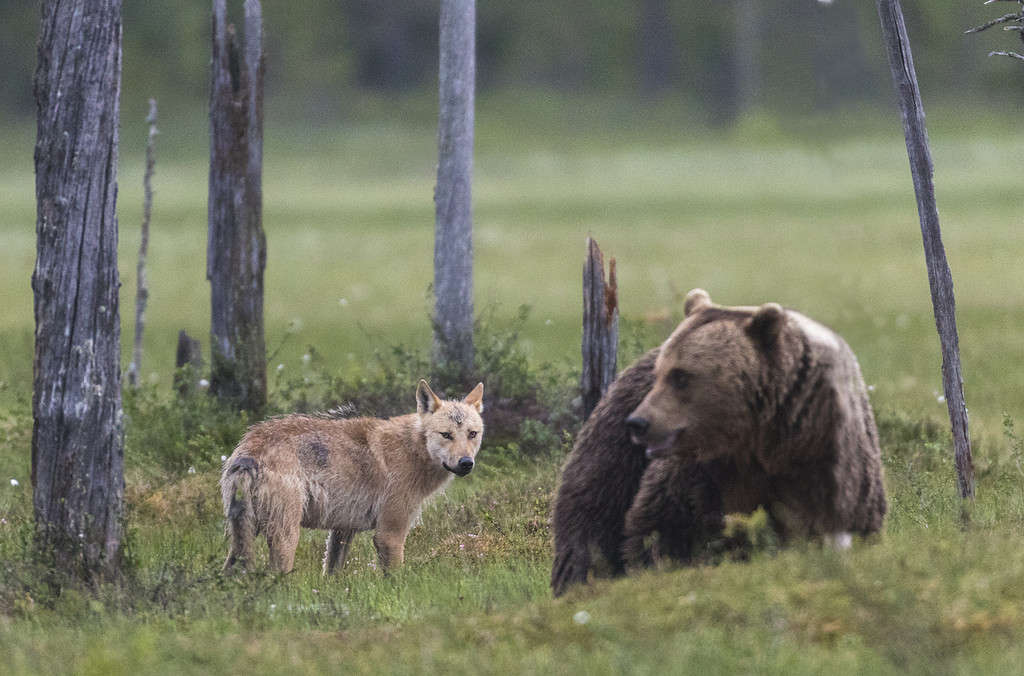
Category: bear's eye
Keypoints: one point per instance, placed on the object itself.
(472, 434)
(679, 378)
(446, 435)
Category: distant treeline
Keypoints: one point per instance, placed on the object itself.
(725, 56)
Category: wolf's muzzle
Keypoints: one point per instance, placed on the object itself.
(464, 467)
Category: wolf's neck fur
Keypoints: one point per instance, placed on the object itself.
(409, 464)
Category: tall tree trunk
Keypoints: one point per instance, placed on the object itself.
(236, 251)
(940, 279)
(142, 288)
(453, 230)
(77, 439)
(747, 55)
(657, 49)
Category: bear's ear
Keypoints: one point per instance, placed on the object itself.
(698, 299)
(426, 400)
(765, 325)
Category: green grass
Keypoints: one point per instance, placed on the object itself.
(820, 217)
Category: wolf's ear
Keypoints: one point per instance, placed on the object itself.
(765, 325)
(698, 299)
(426, 400)
(476, 398)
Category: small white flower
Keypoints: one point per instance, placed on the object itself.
(223, 458)
(871, 388)
(940, 399)
(343, 302)
(306, 358)
(371, 564)
(280, 367)
(548, 322)
(316, 591)
(14, 482)
(581, 617)
(3, 521)
(191, 470)
(273, 606)
(204, 383)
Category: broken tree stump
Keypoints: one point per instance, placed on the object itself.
(600, 327)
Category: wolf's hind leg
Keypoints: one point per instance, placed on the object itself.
(337, 549)
(282, 545)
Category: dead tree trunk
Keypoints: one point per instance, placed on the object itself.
(141, 287)
(236, 248)
(748, 19)
(77, 440)
(453, 229)
(940, 280)
(600, 327)
(188, 364)
(657, 48)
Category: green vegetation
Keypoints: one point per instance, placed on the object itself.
(790, 211)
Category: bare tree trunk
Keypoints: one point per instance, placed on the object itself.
(747, 54)
(77, 439)
(236, 249)
(657, 49)
(453, 230)
(142, 288)
(600, 327)
(940, 280)
(189, 355)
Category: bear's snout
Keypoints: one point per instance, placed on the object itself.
(638, 427)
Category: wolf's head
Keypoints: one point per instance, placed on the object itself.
(453, 429)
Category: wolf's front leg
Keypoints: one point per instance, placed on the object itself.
(389, 539)
(390, 548)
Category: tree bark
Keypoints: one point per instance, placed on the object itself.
(141, 287)
(600, 327)
(236, 248)
(940, 279)
(77, 438)
(453, 230)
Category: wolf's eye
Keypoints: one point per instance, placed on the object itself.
(446, 435)
(679, 378)
(472, 434)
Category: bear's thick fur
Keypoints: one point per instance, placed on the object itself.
(599, 481)
(743, 407)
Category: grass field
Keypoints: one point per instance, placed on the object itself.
(820, 217)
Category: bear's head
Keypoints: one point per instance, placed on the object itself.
(708, 374)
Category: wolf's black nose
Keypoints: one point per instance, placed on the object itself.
(465, 464)
(637, 426)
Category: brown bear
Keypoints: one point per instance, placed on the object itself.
(744, 407)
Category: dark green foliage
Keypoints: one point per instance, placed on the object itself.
(522, 401)
(175, 433)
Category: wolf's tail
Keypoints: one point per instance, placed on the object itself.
(236, 484)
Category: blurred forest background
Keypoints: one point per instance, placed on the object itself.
(719, 59)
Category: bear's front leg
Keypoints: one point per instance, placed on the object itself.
(645, 515)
